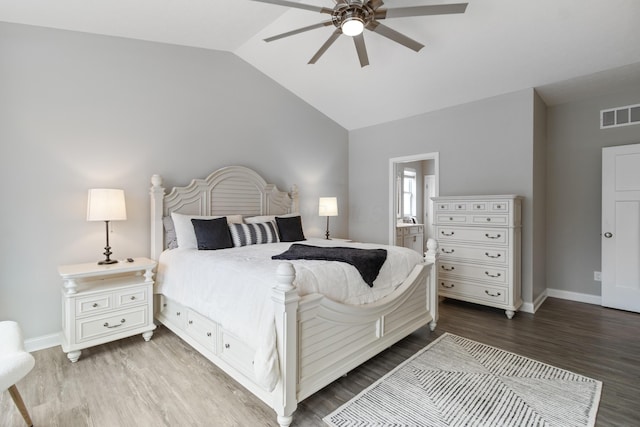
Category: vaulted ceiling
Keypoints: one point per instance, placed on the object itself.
(566, 49)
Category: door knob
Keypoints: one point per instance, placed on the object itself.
(608, 235)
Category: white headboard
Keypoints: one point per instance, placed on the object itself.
(233, 190)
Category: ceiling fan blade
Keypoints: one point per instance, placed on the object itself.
(361, 49)
(438, 9)
(334, 36)
(298, 5)
(392, 34)
(374, 4)
(298, 31)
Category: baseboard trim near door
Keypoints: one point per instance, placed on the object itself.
(575, 296)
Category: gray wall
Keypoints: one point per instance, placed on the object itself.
(485, 147)
(574, 183)
(79, 111)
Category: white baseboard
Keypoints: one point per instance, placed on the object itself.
(575, 296)
(43, 342)
(532, 307)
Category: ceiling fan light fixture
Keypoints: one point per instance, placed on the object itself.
(352, 26)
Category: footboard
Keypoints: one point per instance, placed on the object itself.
(336, 338)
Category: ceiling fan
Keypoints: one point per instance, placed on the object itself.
(352, 17)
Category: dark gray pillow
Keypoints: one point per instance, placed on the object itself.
(290, 229)
(212, 234)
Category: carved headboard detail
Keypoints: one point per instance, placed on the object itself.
(232, 190)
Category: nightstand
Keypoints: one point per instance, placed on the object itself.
(104, 303)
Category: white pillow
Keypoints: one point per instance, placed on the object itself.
(185, 233)
(266, 218)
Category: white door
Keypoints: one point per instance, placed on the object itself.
(621, 227)
(429, 192)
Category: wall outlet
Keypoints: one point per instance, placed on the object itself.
(597, 276)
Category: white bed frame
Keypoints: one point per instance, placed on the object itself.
(318, 340)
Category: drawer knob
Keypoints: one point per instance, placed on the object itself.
(488, 219)
(191, 322)
(492, 275)
(497, 294)
(447, 234)
(208, 334)
(448, 252)
(444, 285)
(492, 256)
(177, 313)
(106, 324)
(227, 345)
(95, 304)
(497, 236)
(448, 268)
(132, 297)
(450, 218)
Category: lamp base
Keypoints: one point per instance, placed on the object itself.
(107, 261)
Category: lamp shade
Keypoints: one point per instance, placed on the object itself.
(106, 204)
(328, 206)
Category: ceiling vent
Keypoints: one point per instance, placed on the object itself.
(620, 116)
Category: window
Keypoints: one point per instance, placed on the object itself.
(409, 193)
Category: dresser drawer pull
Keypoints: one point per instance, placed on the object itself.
(208, 334)
(448, 252)
(177, 313)
(492, 275)
(106, 324)
(488, 219)
(95, 304)
(450, 218)
(445, 234)
(132, 297)
(497, 294)
(191, 322)
(497, 236)
(447, 269)
(493, 256)
(445, 286)
(227, 345)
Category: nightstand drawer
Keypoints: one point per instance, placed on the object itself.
(131, 297)
(93, 304)
(96, 327)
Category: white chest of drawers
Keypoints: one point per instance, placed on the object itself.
(103, 303)
(479, 239)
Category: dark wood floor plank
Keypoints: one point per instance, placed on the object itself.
(165, 383)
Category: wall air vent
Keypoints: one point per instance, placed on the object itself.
(620, 116)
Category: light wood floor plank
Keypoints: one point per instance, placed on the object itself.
(165, 383)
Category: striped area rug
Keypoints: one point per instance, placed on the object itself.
(458, 382)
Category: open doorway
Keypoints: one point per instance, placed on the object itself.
(425, 167)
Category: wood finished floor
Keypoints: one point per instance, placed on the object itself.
(165, 383)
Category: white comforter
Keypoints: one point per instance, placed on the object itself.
(233, 288)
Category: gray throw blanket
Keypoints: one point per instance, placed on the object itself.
(368, 262)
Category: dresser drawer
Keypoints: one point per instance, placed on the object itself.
(475, 235)
(92, 328)
(202, 329)
(93, 304)
(452, 219)
(473, 292)
(236, 353)
(481, 254)
(495, 275)
(490, 219)
(133, 296)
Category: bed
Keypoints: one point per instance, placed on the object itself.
(303, 339)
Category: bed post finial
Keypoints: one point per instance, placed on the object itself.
(157, 234)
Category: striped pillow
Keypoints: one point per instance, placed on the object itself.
(253, 234)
